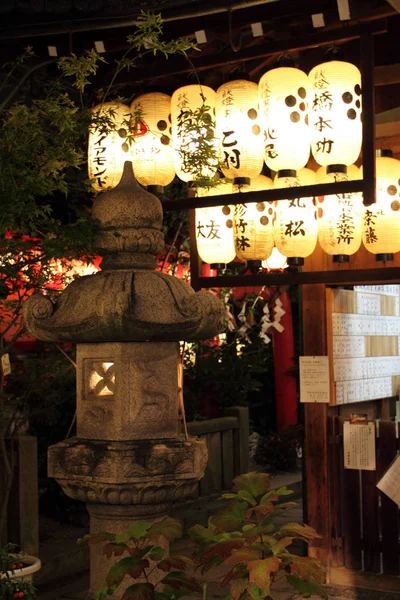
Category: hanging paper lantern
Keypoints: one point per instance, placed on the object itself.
(296, 227)
(381, 221)
(284, 97)
(185, 102)
(240, 145)
(108, 150)
(276, 262)
(152, 153)
(214, 228)
(335, 113)
(253, 227)
(339, 217)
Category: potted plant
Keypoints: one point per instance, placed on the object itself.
(16, 570)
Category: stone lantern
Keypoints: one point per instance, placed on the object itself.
(128, 461)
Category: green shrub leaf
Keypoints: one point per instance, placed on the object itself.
(181, 581)
(228, 519)
(254, 483)
(260, 571)
(305, 532)
(130, 565)
(168, 527)
(139, 591)
(306, 588)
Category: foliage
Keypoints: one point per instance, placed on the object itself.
(243, 538)
(279, 451)
(10, 588)
(140, 557)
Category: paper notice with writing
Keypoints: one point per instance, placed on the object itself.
(5, 364)
(359, 446)
(314, 379)
(390, 482)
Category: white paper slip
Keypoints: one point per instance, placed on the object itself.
(390, 482)
(314, 379)
(359, 446)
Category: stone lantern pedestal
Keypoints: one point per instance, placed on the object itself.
(128, 461)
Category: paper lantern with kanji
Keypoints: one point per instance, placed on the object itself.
(188, 133)
(296, 227)
(240, 144)
(381, 221)
(107, 148)
(152, 152)
(214, 228)
(253, 227)
(335, 113)
(276, 262)
(339, 216)
(284, 97)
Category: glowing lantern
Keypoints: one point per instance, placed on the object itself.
(276, 262)
(108, 150)
(253, 229)
(296, 227)
(283, 94)
(214, 228)
(335, 113)
(381, 221)
(240, 145)
(339, 217)
(152, 153)
(185, 102)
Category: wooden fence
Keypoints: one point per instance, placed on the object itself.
(228, 449)
(365, 523)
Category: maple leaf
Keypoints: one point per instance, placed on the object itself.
(175, 562)
(254, 483)
(307, 588)
(168, 527)
(260, 571)
(307, 568)
(139, 591)
(222, 549)
(228, 519)
(304, 532)
(131, 565)
(237, 587)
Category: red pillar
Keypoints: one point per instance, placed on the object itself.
(285, 384)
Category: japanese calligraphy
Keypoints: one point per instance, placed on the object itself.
(294, 228)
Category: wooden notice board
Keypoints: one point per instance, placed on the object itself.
(363, 327)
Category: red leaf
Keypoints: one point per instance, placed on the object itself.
(237, 587)
(113, 549)
(260, 571)
(222, 549)
(174, 562)
(242, 556)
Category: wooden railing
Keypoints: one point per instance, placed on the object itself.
(365, 523)
(228, 449)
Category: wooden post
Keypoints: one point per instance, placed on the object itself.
(240, 438)
(315, 423)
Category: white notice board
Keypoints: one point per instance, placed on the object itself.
(314, 379)
(390, 482)
(359, 446)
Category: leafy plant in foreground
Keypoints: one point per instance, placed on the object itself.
(143, 560)
(243, 538)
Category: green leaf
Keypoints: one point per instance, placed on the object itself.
(170, 528)
(283, 491)
(256, 592)
(278, 546)
(175, 562)
(306, 588)
(180, 580)
(244, 495)
(307, 568)
(130, 565)
(260, 571)
(305, 532)
(139, 591)
(201, 534)
(228, 519)
(284, 505)
(228, 496)
(156, 553)
(254, 483)
(135, 531)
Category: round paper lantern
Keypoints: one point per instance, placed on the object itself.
(381, 221)
(296, 227)
(253, 224)
(339, 217)
(214, 228)
(184, 103)
(335, 113)
(152, 153)
(240, 144)
(284, 96)
(108, 150)
(276, 262)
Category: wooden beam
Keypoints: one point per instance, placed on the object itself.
(387, 74)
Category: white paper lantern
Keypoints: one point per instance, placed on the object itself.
(108, 150)
(240, 144)
(152, 152)
(276, 262)
(381, 221)
(284, 98)
(296, 227)
(253, 224)
(339, 217)
(214, 228)
(335, 113)
(184, 102)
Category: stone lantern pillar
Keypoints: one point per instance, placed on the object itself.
(128, 461)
